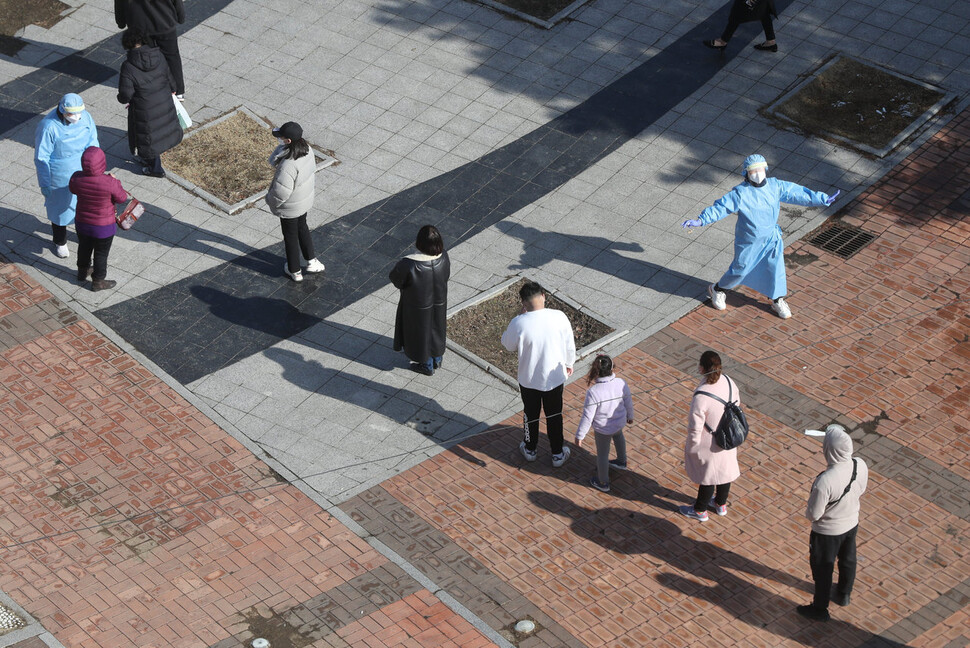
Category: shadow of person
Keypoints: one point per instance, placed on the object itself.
(540, 248)
(713, 568)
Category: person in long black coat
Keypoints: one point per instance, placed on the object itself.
(147, 86)
(743, 11)
(420, 325)
(156, 19)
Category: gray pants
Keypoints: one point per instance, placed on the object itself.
(603, 453)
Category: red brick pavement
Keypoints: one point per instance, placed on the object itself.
(881, 338)
(130, 519)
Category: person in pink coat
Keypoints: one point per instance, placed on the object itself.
(708, 465)
(97, 193)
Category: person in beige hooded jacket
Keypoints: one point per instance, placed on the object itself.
(833, 508)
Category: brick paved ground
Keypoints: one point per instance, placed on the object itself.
(878, 342)
(129, 518)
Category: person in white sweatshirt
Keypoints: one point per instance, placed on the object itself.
(833, 508)
(543, 339)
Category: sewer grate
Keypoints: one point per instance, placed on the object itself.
(843, 240)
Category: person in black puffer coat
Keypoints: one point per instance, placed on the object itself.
(146, 85)
(421, 323)
(156, 19)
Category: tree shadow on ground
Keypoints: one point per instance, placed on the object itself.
(634, 533)
(536, 253)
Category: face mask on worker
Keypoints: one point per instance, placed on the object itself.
(72, 118)
(756, 176)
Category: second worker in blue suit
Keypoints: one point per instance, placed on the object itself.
(759, 261)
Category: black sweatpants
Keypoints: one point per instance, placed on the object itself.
(824, 550)
(534, 402)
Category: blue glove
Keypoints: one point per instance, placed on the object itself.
(831, 199)
(692, 223)
(46, 191)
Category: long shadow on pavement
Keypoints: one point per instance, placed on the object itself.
(632, 532)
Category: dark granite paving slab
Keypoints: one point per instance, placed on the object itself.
(40, 90)
(231, 320)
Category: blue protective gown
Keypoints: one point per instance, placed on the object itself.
(57, 155)
(759, 261)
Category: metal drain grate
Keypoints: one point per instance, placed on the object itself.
(843, 240)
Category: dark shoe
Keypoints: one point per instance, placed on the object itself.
(103, 284)
(422, 369)
(813, 613)
(713, 45)
(595, 483)
(437, 364)
(147, 170)
(841, 599)
(84, 275)
(766, 48)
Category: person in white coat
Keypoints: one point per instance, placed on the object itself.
(543, 339)
(290, 197)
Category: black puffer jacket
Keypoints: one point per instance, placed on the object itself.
(420, 325)
(147, 86)
(149, 17)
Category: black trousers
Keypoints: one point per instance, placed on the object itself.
(169, 44)
(823, 551)
(705, 493)
(765, 24)
(296, 239)
(534, 402)
(60, 234)
(100, 246)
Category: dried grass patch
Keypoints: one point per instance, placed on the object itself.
(228, 159)
(479, 328)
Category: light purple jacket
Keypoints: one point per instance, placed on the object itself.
(608, 407)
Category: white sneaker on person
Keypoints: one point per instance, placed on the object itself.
(295, 276)
(780, 306)
(180, 97)
(62, 251)
(559, 459)
(530, 455)
(315, 266)
(718, 298)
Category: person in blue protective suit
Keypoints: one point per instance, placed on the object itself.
(759, 261)
(60, 139)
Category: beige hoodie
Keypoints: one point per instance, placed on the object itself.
(828, 519)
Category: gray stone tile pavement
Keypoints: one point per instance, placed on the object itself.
(403, 91)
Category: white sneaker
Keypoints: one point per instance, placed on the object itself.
(62, 251)
(559, 459)
(718, 298)
(780, 306)
(315, 266)
(529, 455)
(295, 276)
(180, 97)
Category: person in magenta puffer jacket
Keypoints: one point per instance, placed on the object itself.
(97, 193)
(709, 465)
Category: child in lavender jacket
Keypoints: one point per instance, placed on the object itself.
(608, 407)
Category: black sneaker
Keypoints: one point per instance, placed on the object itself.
(595, 483)
(813, 613)
(421, 369)
(840, 599)
(615, 463)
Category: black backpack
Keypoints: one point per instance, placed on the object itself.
(732, 429)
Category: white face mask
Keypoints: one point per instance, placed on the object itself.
(756, 176)
(281, 141)
(72, 118)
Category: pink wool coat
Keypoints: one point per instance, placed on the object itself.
(707, 463)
